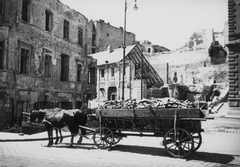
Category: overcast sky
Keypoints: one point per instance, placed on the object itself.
(167, 23)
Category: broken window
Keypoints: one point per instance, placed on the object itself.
(64, 67)
(24, 63)
(26, 10)
(66, 29)
(79, 71)
(48, 19)
(1, 54)
(80, 36)
(102, 73)
(91, 75)
(48, 66)
(1, 6)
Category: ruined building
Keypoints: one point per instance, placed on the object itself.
(103, 35)
(234, 53)
(43, 58)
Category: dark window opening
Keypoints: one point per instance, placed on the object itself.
(149, 50)
(48, 20)
(93, 39)
(102, 73)
(65, 105)
(64, 68)
(48, 66)
(91, 75)
(24, 66)
(26, 10)
(1, 6)
(80, 36)
(66, 29)
(93, 50)
(112, 72)
(78, 105)
(79, 71)
(1, 54)
(43, 105)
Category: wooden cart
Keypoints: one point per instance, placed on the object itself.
(180, 128)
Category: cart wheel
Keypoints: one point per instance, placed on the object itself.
(80, 140)
(103, 138)
(116, 138)
(179, 145)
(197, 139)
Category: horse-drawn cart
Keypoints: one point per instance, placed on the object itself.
(180, 128)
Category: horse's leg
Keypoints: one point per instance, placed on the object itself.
(71, 141)
(61, 137)
(56, 142)
(51, 136)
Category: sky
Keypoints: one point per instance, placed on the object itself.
(168, 23)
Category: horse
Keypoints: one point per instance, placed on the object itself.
(59, 118)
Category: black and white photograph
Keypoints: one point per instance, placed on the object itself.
(119, 83)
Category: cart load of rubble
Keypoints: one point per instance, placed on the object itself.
(148, 103)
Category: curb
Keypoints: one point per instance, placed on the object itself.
(31, 139)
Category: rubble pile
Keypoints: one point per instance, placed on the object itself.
(148, 103)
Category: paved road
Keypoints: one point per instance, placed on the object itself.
(220, 147)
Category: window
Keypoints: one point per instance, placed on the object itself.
(79, 71)
(26, 10)
(91, 75)
(65, 105)
(80, 36)
(48, 20)
(48, 66)
(93, 50)
(94, 32)
(112, 72)
(1, 6)
(78, 104)
(102, 73)
(64, 68)
(66, 29)
(1, 54)
(24, 63)
(93, 39)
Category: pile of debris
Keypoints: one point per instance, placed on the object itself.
(166, 102)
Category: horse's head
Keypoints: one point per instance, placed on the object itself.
(32, 116)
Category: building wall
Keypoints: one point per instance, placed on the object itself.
(20, 92)
(110, 35)
(132, 87)
(234, 52)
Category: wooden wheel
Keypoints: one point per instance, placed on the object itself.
(117, 137)
(197, 139)
(103, 138)
(178, 143)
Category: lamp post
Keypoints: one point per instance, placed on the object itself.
(124, 43)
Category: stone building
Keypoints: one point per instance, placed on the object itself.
(234, 53)
(43, 58)
(139, 74)
(103, 35)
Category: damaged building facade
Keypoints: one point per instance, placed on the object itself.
(43, 58)
(234, 53)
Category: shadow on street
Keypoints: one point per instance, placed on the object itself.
(199, 156)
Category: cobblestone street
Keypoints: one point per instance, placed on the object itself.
(220, 147)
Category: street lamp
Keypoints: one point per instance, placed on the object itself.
(124, 43)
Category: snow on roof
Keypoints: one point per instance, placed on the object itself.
(113, 56)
